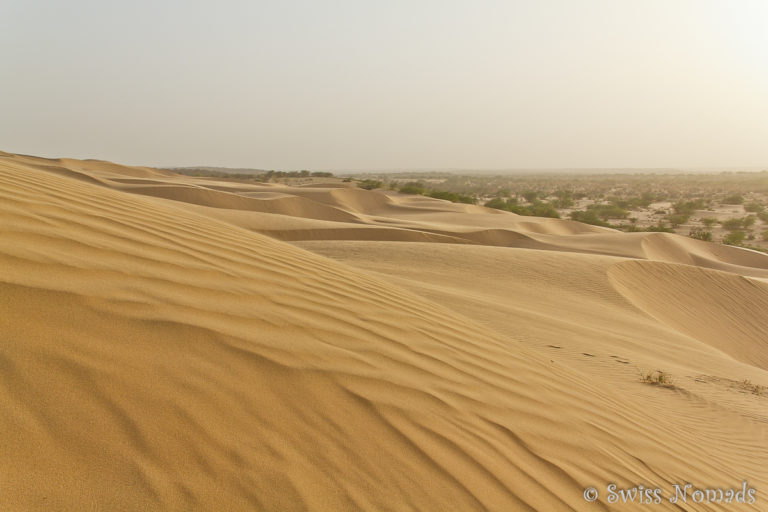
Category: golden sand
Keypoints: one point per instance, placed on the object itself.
(176, 343)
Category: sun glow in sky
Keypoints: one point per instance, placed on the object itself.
(355, 84)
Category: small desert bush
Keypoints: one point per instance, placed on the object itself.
(732, 224)
(734, 199)
(589, 217)
(734, 238)
(659, 227)
(700, 234)
(677, 219)
(657, 378)
(755, 389)
(370, 184)
(413, 188)
(689, 207)
(608, 211)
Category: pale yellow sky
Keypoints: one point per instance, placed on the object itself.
(388, 85)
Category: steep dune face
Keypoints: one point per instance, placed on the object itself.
(724, 310)
(153, 357)
(676, 249)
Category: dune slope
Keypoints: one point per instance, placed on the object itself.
(154, 357)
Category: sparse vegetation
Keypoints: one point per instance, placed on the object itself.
(256, 175)
(709, 207)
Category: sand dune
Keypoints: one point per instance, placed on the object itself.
(160, 353)
(722, 309)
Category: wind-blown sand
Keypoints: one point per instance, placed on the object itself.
(164, 347)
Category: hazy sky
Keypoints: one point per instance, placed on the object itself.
(358, 84)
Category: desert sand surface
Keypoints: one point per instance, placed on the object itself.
(179, 343)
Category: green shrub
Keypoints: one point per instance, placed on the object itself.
(677, 219)
(688, 207)
(370, 184)
(413, 188)
(589, 217)
(732, 224)
(497, 203)
(700, 234)
(608, 211)
(734, 199)
(542, 209)
(734, 238)
(660, 227)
